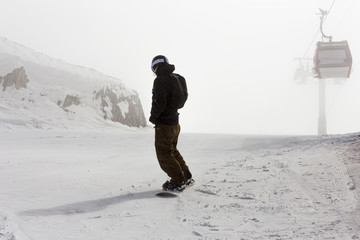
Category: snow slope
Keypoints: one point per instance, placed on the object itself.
(15, 55)
(50, 81)
(101, 184)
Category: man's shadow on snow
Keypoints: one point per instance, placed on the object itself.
(89, 206)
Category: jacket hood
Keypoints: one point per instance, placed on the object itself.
(165, 69)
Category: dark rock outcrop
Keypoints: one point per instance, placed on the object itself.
(121, 108)
(17, 78)
(70, 100)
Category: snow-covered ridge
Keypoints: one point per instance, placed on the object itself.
(42, 91)
(29, 55)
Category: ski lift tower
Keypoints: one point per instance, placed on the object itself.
(331, 60)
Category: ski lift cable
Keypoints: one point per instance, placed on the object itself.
(351, 6)
(312, 41)
(346, 13)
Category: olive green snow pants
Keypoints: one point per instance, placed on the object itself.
(170, 159)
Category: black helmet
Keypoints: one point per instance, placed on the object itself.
(158, 61)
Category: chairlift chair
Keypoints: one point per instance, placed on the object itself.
(332, 60)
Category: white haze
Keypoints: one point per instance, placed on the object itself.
(237, 56)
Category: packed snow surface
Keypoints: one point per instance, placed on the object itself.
(83, 183)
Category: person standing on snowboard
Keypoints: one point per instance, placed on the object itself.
(169, 95)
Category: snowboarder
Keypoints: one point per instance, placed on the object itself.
(169, 95)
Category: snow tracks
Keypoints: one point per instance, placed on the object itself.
(5, 232)
(246, 187)
(294, 188)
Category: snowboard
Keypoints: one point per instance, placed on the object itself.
(166, 194)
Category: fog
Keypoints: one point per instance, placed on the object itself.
(236, 55)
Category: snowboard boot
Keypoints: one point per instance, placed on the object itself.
(188, 178)
(172, 186)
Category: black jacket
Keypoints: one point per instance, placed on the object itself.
(165, 99)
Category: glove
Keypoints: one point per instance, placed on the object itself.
(152, 120)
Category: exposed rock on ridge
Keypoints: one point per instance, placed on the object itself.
(120, 108)
(17, 78)
(70, 100)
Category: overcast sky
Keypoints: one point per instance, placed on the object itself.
(236, 55)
